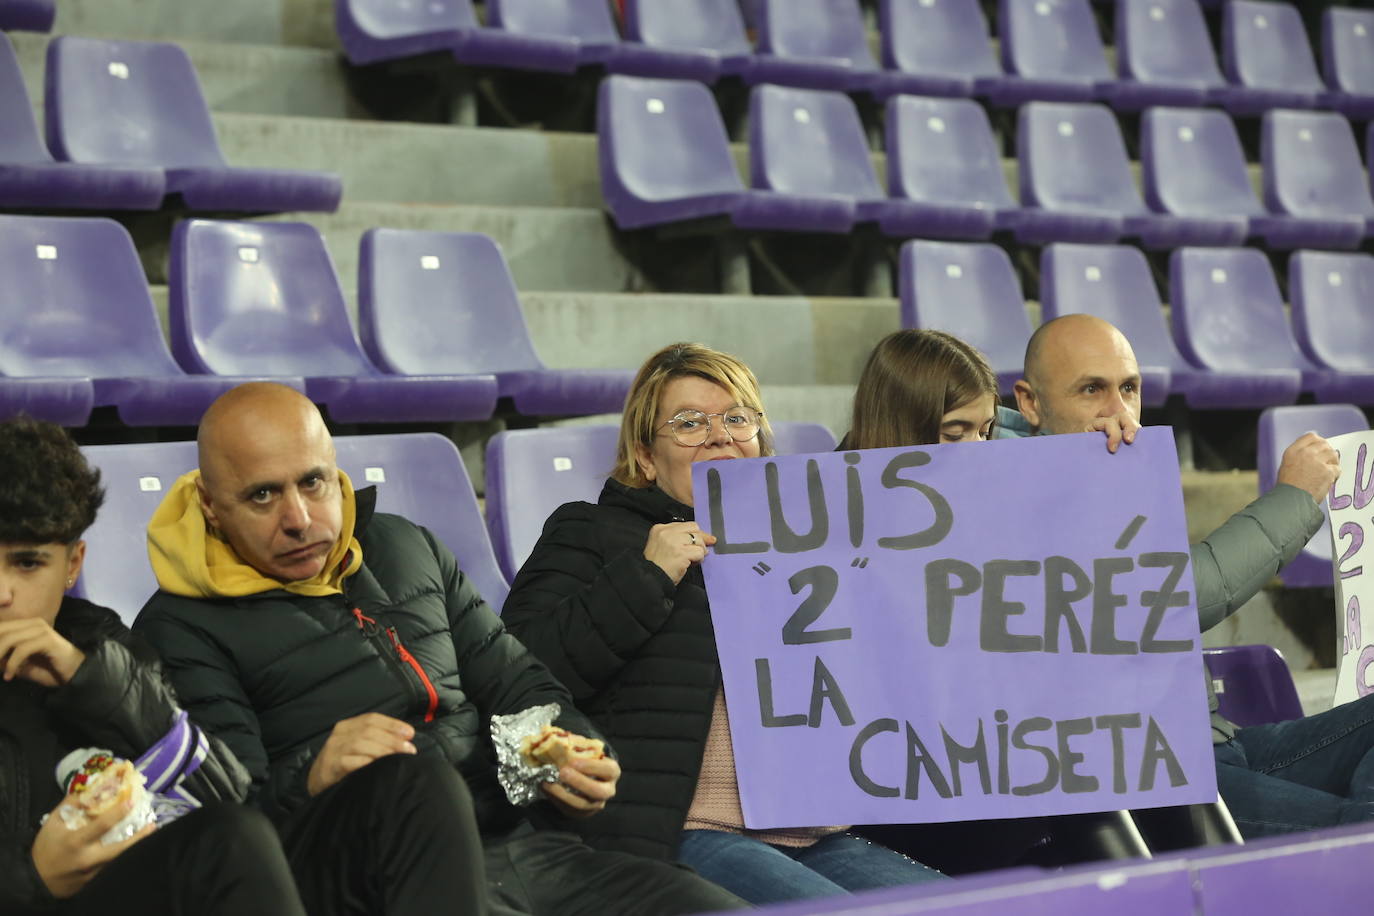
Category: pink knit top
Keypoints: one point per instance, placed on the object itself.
(715, 806)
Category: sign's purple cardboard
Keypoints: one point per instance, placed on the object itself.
(946, 633)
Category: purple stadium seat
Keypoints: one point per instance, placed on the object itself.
(1076, 185)
(1316, 871)
(944, 171)
(1228, 316)
(663, 152)
(665, 158)
(1121, 888)
(263, 298)
(1051, 50)
(1114, 283)
(802, 439)
(552, 35)
(444, 303)
(377, 30)
(27, 15)
(29, 177)
(809, 145)
(1312, 170)
(1348, 61)
(417, 475)
(140, 103)
(939, 49)
(972, 292)
(690, 39)
(1164, 55)
(531, 472)
(1266, 58)
(1193, 165)
(136, 478)
(814, 44)
(65, 401)
(1330, 294)
(1279, 427)
(74, 303)
(421, 477)
(1253, 684)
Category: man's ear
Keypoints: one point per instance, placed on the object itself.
(646, 462)
(76, 555)
(206, 508)
(1026, 402)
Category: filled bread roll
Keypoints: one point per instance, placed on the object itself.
(556, 746)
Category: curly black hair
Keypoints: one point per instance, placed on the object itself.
(48, 493)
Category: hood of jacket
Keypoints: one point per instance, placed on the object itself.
(193, 561)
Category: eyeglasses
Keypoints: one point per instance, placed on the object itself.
(692, 427)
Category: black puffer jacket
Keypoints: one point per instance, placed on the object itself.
(272, 673)
(637, 652)
(117, 700)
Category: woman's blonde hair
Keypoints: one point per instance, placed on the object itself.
(637, 423)
(912, 379)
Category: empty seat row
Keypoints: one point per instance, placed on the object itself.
(665, 157)
(1231, 345)
(419, 475)
(443, 337)
(1050, 49)
(127, 125)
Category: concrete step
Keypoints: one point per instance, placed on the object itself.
(423, 163)
(307, 23)
(1316, 687)
(441, 163)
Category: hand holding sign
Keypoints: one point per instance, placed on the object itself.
(1310, 464)
(675, 546)
(1120, 428)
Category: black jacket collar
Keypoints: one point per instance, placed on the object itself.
(650, 502)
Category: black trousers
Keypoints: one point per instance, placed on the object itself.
(222, 859)
(396, 837)
(547, 873)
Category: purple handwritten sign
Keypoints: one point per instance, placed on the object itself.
(947, 633)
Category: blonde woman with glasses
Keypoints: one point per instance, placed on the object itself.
(613, 601)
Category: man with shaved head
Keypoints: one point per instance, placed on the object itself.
(1081, 375)
(330, 646)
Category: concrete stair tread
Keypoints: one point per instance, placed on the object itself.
(305, 23)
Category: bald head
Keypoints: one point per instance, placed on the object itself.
(1078, 368)
(269, 483)
(252, 415)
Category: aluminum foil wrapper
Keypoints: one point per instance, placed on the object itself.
(520, 780)
(74, 815)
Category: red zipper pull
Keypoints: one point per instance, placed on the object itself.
(363, 619)
(414, 663)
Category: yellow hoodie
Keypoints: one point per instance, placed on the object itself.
(192, 561)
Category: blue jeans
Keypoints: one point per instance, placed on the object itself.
(1298, 775)
(761, 873)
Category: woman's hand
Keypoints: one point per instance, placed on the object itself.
(674, 547)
